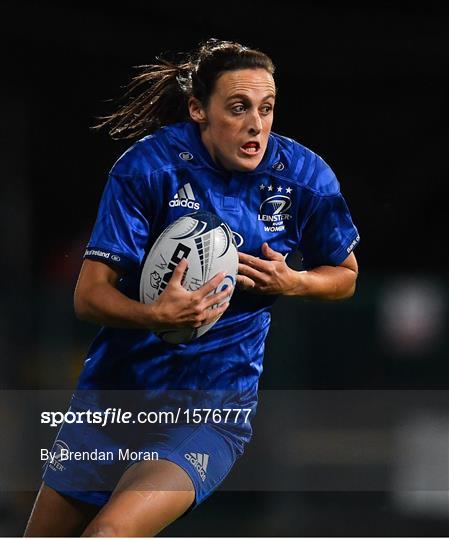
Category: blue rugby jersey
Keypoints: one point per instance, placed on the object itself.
(292, 200)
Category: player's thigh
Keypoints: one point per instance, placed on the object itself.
(149, 496)
(54, 514)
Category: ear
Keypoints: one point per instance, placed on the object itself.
(197, 111)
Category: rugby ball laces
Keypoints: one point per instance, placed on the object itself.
(208, 244)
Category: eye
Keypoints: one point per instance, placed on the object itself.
(266, 109)
(238, 109)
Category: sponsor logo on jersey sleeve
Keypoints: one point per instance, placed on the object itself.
(353, 244)
(93, 252)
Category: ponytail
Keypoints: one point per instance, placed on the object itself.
(159, 94)
(161, 99)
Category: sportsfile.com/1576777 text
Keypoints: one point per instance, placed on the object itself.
(114, 415)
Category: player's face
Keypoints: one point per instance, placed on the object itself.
(236, 123)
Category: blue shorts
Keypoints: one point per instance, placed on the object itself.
(87, 461)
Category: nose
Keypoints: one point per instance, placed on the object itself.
(254, 123)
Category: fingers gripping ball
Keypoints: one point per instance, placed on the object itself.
(209, 247)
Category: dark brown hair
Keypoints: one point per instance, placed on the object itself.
(158, 95)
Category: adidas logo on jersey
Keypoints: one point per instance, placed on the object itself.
(199, 461)
(185, 198)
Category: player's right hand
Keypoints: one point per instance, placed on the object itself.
(178, 307)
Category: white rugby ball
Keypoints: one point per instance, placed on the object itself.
(209, 247)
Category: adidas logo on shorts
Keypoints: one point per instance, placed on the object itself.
(199, 461)
(185, 198)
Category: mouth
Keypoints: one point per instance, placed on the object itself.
(251, 148)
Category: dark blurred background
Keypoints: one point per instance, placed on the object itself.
(365, 86)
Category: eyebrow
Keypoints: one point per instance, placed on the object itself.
(245, 97)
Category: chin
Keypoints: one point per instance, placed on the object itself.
(245, 169)
(247, 166)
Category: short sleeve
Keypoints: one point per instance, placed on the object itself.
(121, 231)
(329, 235)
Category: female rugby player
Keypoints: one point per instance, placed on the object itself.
(207, 145)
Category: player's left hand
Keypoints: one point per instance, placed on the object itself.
(270, 276)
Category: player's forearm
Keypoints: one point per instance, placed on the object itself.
(103, 304)
(325, 282)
